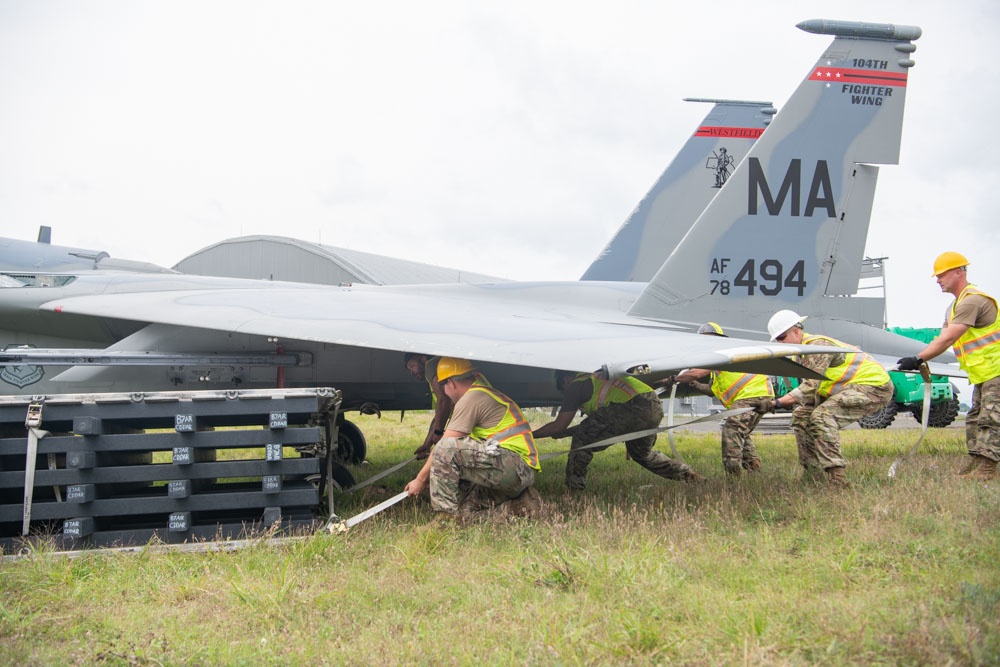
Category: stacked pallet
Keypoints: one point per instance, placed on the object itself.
(123, 469)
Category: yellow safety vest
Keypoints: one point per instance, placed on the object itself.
(606, 392)
(730, 387)
(513, 432)
(858, 368)
(978, 349)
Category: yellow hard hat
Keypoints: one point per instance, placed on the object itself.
(450, 367)
(947, 261)
(711, 328)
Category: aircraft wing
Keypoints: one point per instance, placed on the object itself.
(490, 323)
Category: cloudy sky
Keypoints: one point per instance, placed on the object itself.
(506, 137)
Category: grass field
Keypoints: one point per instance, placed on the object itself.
(764, 570)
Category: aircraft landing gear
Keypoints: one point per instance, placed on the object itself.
(351, 444)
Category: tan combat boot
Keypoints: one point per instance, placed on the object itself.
(528, 504)
(968, 466)
(691, 477)
(836, 477)
(986, 469)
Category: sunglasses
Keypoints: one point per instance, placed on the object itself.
(781, 337)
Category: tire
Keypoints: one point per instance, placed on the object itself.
(881, 419)
(341, 475)
(351, 444)
(942, 414)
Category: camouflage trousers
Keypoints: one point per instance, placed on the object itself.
(467, 475)
(817, 428)
(643, 412)
(982, 423)
(738, 451)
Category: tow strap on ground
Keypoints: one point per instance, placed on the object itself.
(925, 373)
(670, 422)
(337, 525)
(625, 437)
(384, 473)
(32, 422)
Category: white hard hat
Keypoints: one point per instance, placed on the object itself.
(782, 321)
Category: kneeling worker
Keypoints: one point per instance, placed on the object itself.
(735, 390)
(857, 386)
(487, 454)
(612, 407)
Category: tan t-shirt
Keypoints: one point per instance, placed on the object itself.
(475, 408)
(973, 311)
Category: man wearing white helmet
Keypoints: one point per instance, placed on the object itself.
(972, 330)
(856, 386)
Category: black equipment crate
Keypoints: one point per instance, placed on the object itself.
(122, 469)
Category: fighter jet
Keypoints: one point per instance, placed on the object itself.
(773, 237)
(42, 255)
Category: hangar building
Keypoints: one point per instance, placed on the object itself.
(283, 258)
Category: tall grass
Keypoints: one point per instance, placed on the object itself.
(764, 570)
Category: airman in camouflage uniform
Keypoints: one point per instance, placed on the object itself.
(857, 386)
(735, 390)
(612, 407)
(972, 329)
(486, 456)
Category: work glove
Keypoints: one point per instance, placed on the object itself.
(667, 382)
(909, 364)
(765, 405)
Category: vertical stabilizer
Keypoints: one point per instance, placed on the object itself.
(789, 228)
(705, 163)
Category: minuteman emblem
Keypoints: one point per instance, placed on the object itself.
(21, 376)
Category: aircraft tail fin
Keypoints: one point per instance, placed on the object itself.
(690, 181)
(789, 229)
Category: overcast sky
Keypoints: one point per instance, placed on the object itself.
(511, 138)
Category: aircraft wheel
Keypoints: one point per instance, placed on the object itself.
(341, 475)
(351, 444)
(881, 419)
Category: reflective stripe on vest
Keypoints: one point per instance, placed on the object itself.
(730, 387)
(977, 350)
(858, 368)
(512, 432)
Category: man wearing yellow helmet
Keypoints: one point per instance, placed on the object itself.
(972, 330)
(735, 390)
(486, 456)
